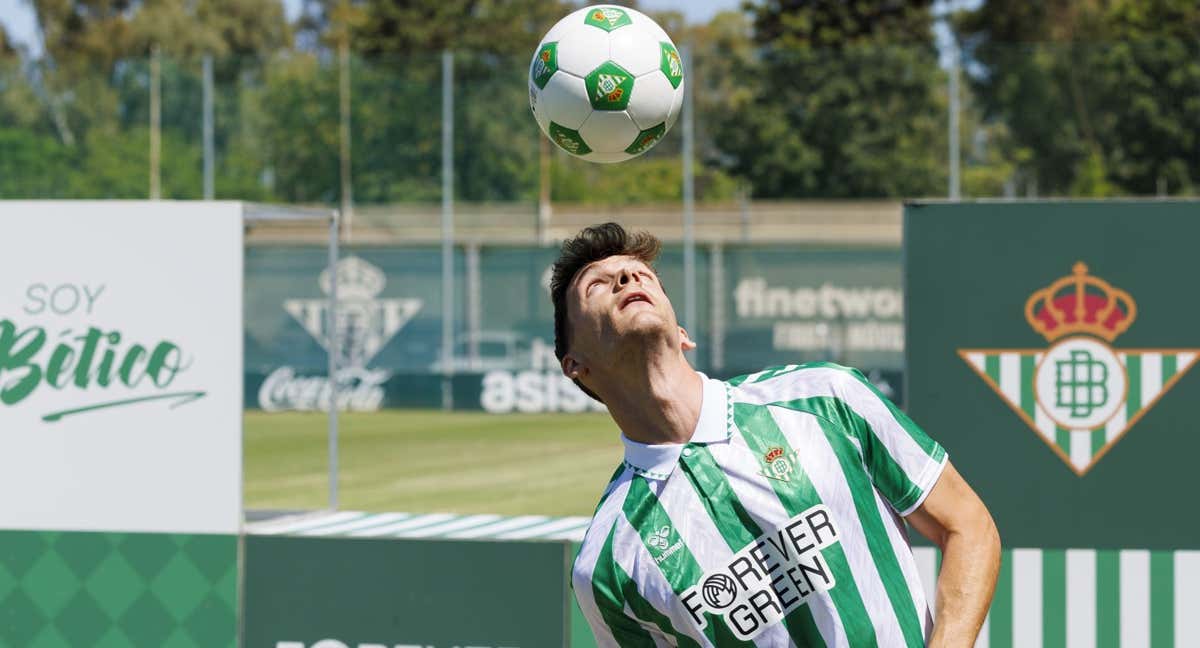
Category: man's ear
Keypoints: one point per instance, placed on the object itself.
(572, 368)
(685, 342)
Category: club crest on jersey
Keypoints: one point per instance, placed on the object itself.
(769, 578)
(778, 464)
(1080, 395)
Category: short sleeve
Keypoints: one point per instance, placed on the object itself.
(904, 463)
(599, 593)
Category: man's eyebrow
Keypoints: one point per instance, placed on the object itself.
(583, 273)
(587, 269)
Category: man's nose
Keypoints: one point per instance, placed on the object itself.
(626, 276)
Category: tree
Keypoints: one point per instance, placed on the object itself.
(92, 84)
(421, 26)
(397, 95)
(842, 99)
(7, 51)
(1102, 102)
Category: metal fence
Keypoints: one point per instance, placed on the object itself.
(372, 135)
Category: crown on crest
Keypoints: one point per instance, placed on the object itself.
(1080, 303)
(356, 279)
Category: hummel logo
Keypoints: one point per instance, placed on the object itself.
(658, 539)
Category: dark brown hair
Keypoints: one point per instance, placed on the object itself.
(593, 244)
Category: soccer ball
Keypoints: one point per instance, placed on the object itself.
(606, 83)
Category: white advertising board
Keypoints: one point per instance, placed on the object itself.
(121, 366)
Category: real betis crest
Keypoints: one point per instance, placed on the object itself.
(607, 18)
(778, 465)
(647, 139)
(545, 64)
(570, 140)
(671, 65)
(1080, 395)
(609, 86)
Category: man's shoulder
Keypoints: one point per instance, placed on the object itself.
(825, 372)
(607, 510)
(603, 523)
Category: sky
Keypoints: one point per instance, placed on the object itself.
(17, 17)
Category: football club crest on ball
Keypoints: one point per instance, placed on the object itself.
(607, 18)
(1080, 395)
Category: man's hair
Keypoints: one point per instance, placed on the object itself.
(592, 244)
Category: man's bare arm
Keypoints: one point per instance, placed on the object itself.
(956, 520)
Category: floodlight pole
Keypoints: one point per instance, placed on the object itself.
(155, 123)
(207, 110)
(344, 171)
(447, 354)
(955, 188)
(689, 199)
(332, 349)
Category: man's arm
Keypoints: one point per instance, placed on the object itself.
(956, 520)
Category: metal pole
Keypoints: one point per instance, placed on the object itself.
(155, 123)
(474, 295)
(744, 202)
(716, 300)
(344, 130)
(447, 228)
(689, 198)
(332, 349)
(207, 107)
(543, 233)
(954, 110)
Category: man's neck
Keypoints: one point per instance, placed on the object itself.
(657, 401)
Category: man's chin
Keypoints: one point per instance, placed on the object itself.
(644, 330)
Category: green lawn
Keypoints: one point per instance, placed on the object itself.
(432, 461)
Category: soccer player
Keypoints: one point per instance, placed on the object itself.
(768, 510)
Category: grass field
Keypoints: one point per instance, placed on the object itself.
(433, 461)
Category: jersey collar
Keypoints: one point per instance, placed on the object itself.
(716, 415)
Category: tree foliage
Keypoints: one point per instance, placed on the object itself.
(7, 51)
(841, 99)
(793, 99)
(484, 26)
(1101, 96)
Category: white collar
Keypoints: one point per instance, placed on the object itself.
(658, 461)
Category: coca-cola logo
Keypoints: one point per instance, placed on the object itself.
(358, 390)
(362, 326)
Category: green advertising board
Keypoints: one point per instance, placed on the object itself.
(300, 592)
(1051, 349)
(755, 306)
(388, 330)
(144, 590)
(788, 304)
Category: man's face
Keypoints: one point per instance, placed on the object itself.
(614, 305)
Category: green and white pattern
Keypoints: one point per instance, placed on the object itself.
(147, 590)
(670, 555)
(1087, 598)
(446, 526)
(1012, 375)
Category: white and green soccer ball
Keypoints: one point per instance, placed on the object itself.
(606, 83)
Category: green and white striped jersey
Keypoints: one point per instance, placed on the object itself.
(778, 524)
